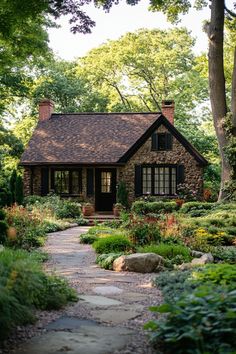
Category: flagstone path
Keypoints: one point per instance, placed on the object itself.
(112, 306)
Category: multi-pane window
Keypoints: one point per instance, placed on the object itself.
(67, 181)
(147, 180)
(159, 180)
(106, 182)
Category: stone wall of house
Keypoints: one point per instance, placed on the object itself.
(178, 155)
(26, 181)
(36, 181)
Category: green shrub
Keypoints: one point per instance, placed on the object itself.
(112, 244)
(12, 184)
(174, 283)
(19, 195)
(81, 221)
(88, 239)
(30, 232)
(143, 208)
(203, 321)
(68, 209)
(106, 260)
(144, 233)
(196, 206)
(2, 214)
(24, 287)
(3, 231)
(201, 308)
(224, 254)
(167, 251)
(5, 197)
(122, 194)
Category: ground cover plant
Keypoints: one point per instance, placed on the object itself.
(106, 260)
(200, 305)
(24, 287)
(177, 254)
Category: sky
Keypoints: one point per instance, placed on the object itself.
(121, 19)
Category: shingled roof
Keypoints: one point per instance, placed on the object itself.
(86, 138)
(96, 138)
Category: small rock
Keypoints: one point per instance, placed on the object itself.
(185, 266)
(196, 254)
(206, 258)
(138, 262)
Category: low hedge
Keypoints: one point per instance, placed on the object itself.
(143, 208)
(196, 206)
(112, 244)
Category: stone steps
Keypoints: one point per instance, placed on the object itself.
(99, 218)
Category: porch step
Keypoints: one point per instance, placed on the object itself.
(99, 218)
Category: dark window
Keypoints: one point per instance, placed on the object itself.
(159, 180)
(67, 181)
(161, 141)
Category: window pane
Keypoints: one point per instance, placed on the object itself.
(173, 180)
(61, 181)
(57, 181)
(65, 182)
(106, 182)
(147, 180)
(75, 182)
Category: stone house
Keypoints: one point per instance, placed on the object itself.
(85, 155)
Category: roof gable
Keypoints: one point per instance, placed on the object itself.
(162, 120)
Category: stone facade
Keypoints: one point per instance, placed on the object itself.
(178, 155)
(32, 176)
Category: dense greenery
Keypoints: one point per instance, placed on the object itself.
(25, 287)
(207, 297)
(112, 244)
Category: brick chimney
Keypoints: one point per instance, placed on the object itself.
(46, 108)
(168, 110)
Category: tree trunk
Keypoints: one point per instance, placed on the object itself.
(217, 84)
(233, 95)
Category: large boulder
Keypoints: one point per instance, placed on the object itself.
(138, 262)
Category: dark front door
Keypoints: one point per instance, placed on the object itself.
(105, 188)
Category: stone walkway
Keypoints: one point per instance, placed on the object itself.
(112, 307)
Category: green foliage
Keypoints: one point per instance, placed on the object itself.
(88, 238)
(112, 244)
(142, 207)
(174, 283)
(106, 260)
(68, 209)
(196, 206)
(5, 197)
(142, 233)
(224, 254)
(217, 274)
(169, 251)
(122, 194)
(60, 208)
(212, 325)
(12, 184)
(19, 196)
(2, 214)
(200, 304)
(25, 287)
(3, 231)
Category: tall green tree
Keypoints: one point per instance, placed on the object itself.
(139, 70)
